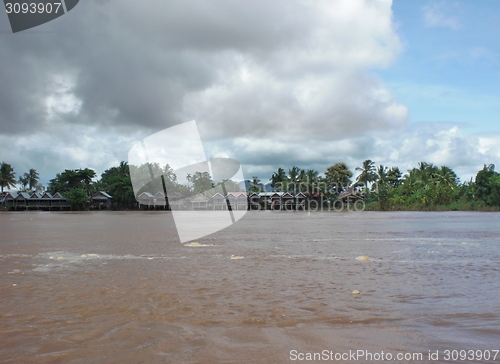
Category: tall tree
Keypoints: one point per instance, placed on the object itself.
(368, 173)
(85, 176)
(116, 181)
(382, 187)
(77, 198)
(29, 181)
(312, 180)
(488, 186)
(446, 177)
(293, 179)
(33, 178)
(279, 180)
(169, 174)
(72, 179)
(382, 174)
(338, 176)
(23, 181)
(255, 185)
(7, 176)
(394, 177)
(201, 182)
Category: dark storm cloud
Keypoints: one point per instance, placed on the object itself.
(270, 83)
(133, 62)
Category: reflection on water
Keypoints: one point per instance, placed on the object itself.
(119, 287)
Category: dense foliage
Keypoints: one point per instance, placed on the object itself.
(77, 198)
(425, 187)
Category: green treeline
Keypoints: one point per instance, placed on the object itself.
(425, 187)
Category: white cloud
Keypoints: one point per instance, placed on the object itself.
(270, 84)
(67, 147)
(441, 144)
(61, 98)
(438, 143)
(439, 15)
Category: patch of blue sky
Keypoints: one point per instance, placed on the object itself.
(449, 68)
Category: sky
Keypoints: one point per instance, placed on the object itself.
(270, 84)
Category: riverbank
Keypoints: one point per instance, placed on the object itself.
(374, 206)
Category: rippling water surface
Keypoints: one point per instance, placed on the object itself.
(120, 288)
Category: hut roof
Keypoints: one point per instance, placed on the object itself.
(46, 196)
(58, 196)
(36, 196)
(105, 194)
(145, 194)
(237, 194)
(349, 192)
(12, 195)
(277, 194)
(217, 195)
(199, 198)
(175, 194)
(23, 196)
(265, 194)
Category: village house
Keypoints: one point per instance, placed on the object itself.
(100, 200)
(25, 201)
(287, 201)
(161, 200)
(146, 199)
(219, 202)
(176, 200)
(199, 202)
(254, 201)
(238, 200)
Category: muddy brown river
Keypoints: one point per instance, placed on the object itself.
(119, 287)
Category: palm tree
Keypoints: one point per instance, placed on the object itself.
(23, 180)
(7, 176)
(410, 182)
(169, 174)
(426, 173)
(367, 174)
(85, 176)
(312, 181)
(382, 174)
(279, 179)
(124, 169)
(255, 185)
(293, 177)
(394, 177)
(446, 177)
(32, 177)
(382, 185)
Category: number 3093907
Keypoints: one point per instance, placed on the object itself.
(32, 8)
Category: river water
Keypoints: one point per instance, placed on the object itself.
(119, 287)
